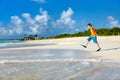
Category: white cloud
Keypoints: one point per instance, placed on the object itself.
(16, 20)
(112, 22)
(14, 28)
(65, 19)
(17, 25)
(28, 19)
(3, 31)
(39, 1)
(25, 25)
(38, 24)
(42, 19)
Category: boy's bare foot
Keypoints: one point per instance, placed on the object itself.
(84, 46)
(99, 49)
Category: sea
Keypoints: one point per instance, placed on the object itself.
(7, 42)
(52, 64)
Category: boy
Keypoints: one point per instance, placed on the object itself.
(92, 37)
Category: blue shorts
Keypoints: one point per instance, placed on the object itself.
(92, 38)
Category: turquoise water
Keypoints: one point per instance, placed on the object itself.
(10, 41)
(4, 43)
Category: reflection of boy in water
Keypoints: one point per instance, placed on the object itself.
(92, 37)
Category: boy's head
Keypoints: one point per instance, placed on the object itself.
(89, 25)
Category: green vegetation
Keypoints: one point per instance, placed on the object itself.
(108, 32)
(30, 37)
(100, 32)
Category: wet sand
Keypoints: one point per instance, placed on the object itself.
(60, 71)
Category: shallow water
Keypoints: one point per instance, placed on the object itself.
(60, 71)
(41, 54)
(10, 41)
(53, 64)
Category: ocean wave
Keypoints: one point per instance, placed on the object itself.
(6, 44)
(48, 60)
(57, 60)
(3, 44)
(9, 44)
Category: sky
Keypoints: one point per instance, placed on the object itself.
(53, 17)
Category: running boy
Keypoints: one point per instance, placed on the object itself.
(92, 37)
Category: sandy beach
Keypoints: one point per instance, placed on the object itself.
(61, 59)
(110, 46)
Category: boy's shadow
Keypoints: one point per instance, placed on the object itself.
(116, 48)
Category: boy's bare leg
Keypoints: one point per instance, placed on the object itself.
(87, 43)
(85, 46)
(98, 45)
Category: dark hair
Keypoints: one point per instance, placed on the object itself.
(89, 24)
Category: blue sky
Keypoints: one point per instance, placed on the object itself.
(53, 17)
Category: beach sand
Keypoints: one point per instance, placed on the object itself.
(61, 59)
(110, 46)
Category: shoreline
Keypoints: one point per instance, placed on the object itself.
(109, 44)
(56, 60)
(61, 59)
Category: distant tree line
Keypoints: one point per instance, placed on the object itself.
(30, 37)
(100, 32)
(108, 32)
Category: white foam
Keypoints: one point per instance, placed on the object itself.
(79, 65)
(49, 60)
(1, 45)
(6, 44)
(109, 61)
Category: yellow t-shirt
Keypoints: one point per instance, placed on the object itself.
(93, 32)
